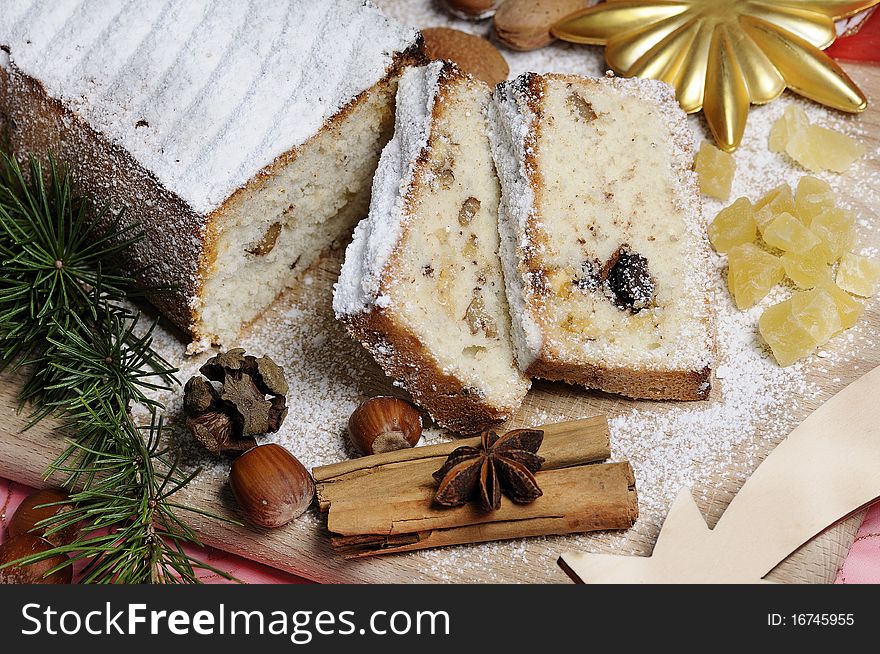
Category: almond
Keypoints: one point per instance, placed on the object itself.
(472, 9)
(473, 54)
(525, 24)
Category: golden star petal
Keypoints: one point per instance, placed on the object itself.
(724, 55)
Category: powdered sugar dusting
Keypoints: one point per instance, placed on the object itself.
(376, 237)
(204, 94)
(685, 446)
(710, 446)
(510, 122)
(716, 445)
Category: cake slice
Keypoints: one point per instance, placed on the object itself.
(604, 254)
(243, 136)
(421, 286)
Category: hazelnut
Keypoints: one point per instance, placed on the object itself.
(384, 424)
(31, 511)
(270, 485)
(24, 545)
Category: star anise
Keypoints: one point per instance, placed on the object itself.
(505, 463)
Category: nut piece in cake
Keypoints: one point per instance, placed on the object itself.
(422, 286)
(604, 252)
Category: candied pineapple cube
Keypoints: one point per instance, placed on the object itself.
(773, 203)
(786, 336)
(848, 308)
(813, 196)
(751, 273)
(819, 148)
(789, 234)
(858, 275)
(792, 121)
(836, 228)
(734, 225)
(715, 170)
(816, 311)
(807, 269)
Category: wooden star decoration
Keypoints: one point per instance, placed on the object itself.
(826, 469)
(724, 55)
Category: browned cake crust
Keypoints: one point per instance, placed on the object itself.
(402, 356)
(640, 384)
(179, 244)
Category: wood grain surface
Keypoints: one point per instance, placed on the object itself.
(303, 547)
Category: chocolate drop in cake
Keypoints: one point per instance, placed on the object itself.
(604, 254)
(421, 286)
(243, 136)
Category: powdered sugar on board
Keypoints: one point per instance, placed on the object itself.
(710, 446)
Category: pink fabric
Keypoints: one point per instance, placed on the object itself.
(862, 564)
(11, 495)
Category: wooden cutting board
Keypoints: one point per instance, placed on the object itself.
(303, 547)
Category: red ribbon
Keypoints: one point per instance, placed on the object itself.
(864, 45)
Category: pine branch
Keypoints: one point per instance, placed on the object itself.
(88, 361)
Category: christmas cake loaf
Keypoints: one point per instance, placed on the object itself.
(243, 136)
(421, 286)
(604, 254)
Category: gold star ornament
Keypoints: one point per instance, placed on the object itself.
(723, 55)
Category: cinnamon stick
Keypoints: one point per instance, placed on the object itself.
(384, 503)
(379, 476)
(579, 499)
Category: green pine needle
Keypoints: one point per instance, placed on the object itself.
(88, 360)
